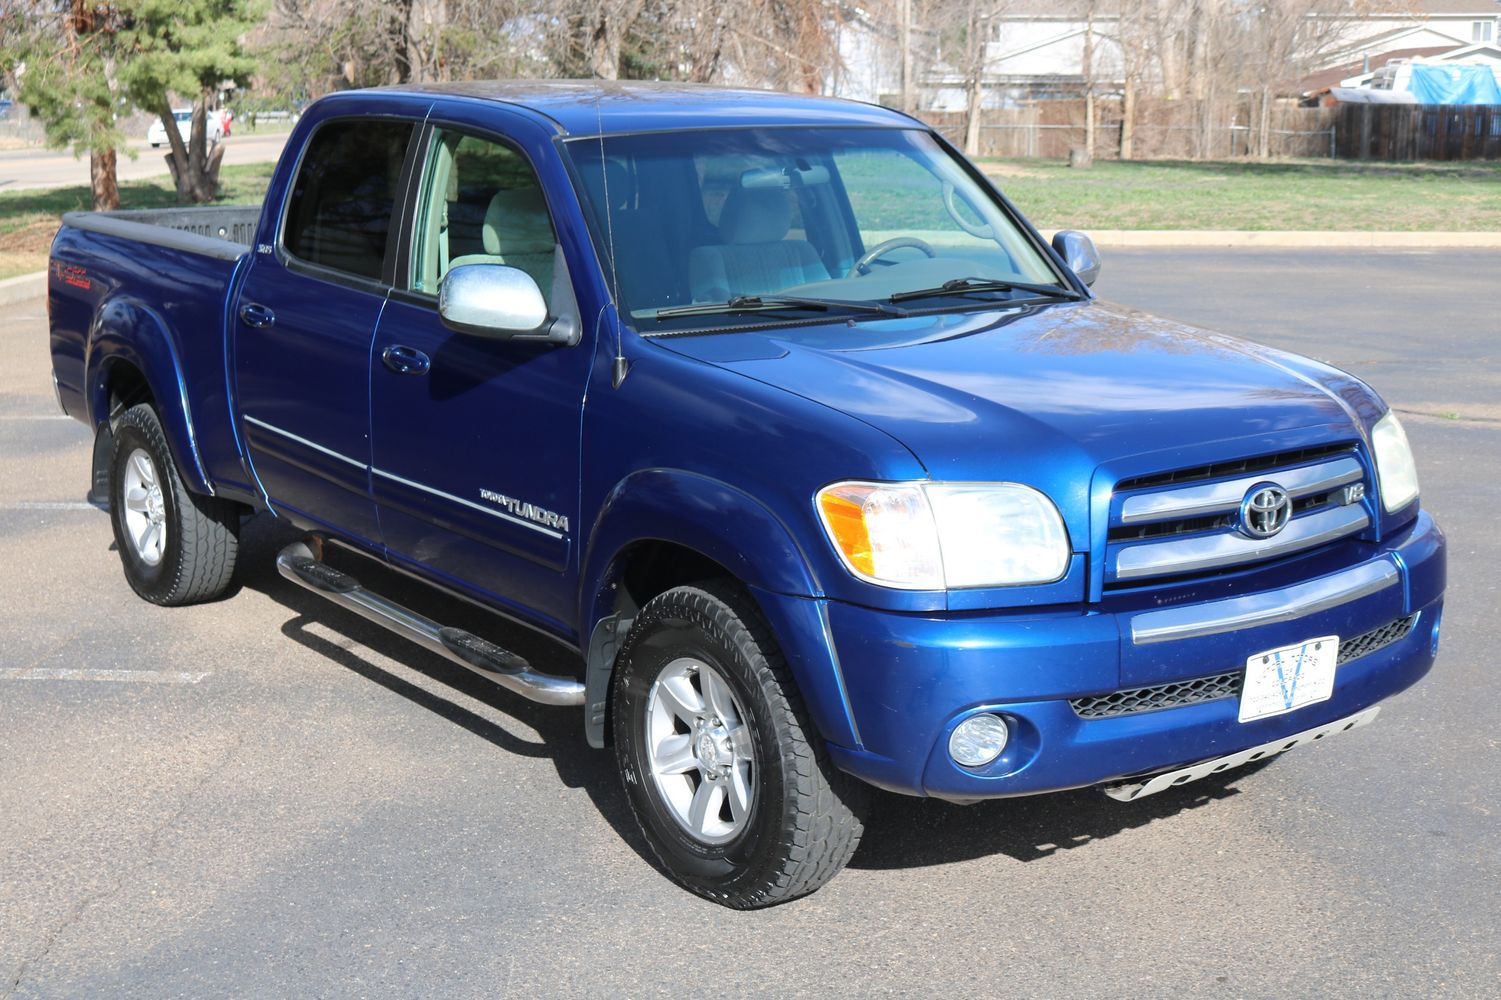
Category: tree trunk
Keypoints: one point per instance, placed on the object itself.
(1264, 140)
(604, 49)
(976, 82)
(177, 155)
(1089, 83)
(103, 181)
(905, 7)
(1128, 118)
(194, 168)
(405, 55)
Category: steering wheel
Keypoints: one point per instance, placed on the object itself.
(983, 231)
(862, 266)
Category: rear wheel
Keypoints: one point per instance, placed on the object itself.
(728, 780)
(177, 547)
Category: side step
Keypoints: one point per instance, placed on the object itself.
(297, 563)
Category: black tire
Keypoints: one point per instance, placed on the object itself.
(805, 816)
(197, 558)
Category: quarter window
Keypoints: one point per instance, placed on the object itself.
(339, 215)
(481, 203)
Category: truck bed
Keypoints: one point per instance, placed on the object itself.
(161, 279)
(226, 231)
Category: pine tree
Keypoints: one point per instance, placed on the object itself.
(186, 47)
(65, 58)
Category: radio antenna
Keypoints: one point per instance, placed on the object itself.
(619, 367)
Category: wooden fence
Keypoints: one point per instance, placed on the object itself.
(1418, 132)
(1164, 130)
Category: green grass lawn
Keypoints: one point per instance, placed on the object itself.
(29, 219)
(1298, 195)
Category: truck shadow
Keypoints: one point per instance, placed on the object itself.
(561, 730)
(901, 832)
(905, 832)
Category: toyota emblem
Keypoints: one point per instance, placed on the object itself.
(1265, 511)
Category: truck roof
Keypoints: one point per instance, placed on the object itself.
(592, 107)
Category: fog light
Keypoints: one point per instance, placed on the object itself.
(979, 740)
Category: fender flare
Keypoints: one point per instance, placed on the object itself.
(125, 330)
(698, 513)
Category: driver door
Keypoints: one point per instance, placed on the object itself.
(476, 439)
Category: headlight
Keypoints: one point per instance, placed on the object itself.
(1395, 470)
(931, 536)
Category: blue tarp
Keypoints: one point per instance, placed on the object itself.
(1454, 85)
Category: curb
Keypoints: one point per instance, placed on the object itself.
(27, 286)
(1288, 239)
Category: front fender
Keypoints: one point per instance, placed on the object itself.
(729, 526)
(709, 516)
(127, 331)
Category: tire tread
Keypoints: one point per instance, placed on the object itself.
(207, 535)
(823, 828)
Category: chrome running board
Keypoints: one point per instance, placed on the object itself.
(298, 564)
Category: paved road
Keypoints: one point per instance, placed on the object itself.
(296, 805)
(45, 168)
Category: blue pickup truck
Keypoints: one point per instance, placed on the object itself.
(774, 411)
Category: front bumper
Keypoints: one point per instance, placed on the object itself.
(908, 680)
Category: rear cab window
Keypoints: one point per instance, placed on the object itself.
(341, 209)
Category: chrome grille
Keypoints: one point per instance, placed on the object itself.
(1225, 685)
(1186, 522)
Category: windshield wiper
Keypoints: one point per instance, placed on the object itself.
(759, 303)
(963, 286)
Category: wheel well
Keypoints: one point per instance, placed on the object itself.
(649, 568)
(640, 572)
(124, 387)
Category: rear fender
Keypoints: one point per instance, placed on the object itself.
(127, 332)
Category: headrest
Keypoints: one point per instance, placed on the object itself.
(618, 180)
(755, 215)
(517, 222)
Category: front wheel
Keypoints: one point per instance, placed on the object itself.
(177, 547)
(724, 773)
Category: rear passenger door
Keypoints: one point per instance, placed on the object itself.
(304, 320)
(475, 439)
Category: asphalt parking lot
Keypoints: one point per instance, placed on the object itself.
(268, 797)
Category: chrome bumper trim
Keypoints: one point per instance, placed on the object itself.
(1131, 791)
(1203, 552)
(1301, 599)
(1213, 498)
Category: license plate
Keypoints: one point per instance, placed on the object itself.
(1280, 680)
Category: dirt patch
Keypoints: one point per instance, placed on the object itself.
(1009, 170)
(30, 237)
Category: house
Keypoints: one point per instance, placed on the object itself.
(1036, 48)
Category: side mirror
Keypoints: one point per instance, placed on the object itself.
(1079, 253)
(492, 300)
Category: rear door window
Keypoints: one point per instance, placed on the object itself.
(340, 212)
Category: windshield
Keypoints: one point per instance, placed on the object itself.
(774, 218)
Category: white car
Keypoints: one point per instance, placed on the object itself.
(157, 133)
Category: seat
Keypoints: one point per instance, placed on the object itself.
(755, 257)
(517, 231)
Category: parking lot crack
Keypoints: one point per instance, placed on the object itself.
(150, 850)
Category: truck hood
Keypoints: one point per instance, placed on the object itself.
(1033, 394)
